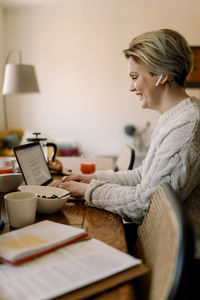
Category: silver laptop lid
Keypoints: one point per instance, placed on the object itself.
(32, 163)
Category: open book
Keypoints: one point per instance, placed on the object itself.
(78, 270)
(31, 241)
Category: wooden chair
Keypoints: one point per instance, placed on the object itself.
(125, 159)
(166, 245)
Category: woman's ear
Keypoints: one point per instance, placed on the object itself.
(165, 79)
(162, 79)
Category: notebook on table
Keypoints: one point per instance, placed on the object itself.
(33, 165)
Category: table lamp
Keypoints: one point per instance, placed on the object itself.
(18, 78)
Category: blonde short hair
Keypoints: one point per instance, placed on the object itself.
(163, 51)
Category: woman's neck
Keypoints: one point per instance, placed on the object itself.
(172, 95)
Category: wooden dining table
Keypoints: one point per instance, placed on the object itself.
(100, 224)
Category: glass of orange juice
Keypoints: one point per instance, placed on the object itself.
(6, 170)
(5, 166)
(88, 165)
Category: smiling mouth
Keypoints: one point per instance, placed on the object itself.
(139, 96)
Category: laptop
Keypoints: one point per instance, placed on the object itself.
(33, 165)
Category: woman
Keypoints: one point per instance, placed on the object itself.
(159, 63)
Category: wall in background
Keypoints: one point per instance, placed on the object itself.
(2, 43)
(76, 47)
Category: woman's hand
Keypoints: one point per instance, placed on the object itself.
(79, 177)
(76, 189)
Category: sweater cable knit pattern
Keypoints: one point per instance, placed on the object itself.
(173, 157)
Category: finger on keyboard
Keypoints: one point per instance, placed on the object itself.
(55, 182)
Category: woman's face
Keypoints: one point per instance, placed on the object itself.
(144, 85)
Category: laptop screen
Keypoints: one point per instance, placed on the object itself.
(32, 163)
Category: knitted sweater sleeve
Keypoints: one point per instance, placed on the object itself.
(173, 157)
(128, 178)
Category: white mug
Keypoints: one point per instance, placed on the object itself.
(21, 208)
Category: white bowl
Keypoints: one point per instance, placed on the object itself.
(10, 182)
(46, 205)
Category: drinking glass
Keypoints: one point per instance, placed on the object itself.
(5, 166)
(88, 165)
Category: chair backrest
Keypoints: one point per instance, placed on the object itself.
(125, 159)
(166, 245)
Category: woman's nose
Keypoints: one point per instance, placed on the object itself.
(132, 87)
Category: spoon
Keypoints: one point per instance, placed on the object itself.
(64, 195)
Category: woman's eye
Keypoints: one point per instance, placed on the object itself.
(134, 77)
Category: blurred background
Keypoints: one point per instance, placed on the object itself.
(76, 48)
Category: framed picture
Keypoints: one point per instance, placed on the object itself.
(194, 78)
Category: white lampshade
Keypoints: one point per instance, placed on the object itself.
(19, 78)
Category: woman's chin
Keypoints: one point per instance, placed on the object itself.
(143, 105)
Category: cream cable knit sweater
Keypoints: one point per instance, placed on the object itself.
(173, 157)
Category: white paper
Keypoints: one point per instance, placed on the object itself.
(62, 271)
(31, 239)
